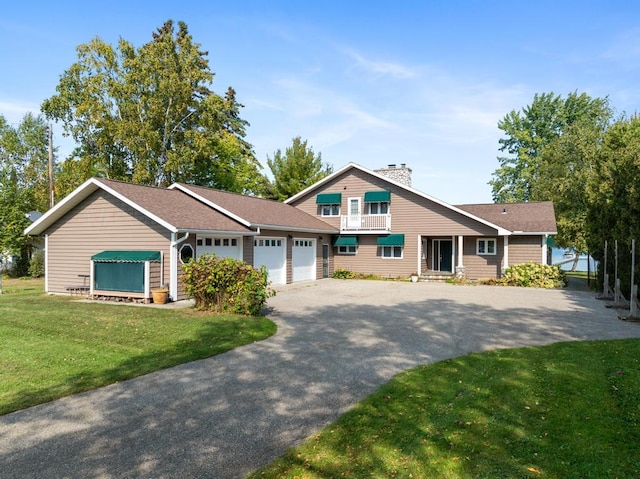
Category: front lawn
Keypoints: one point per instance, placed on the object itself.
(52, 346)
(569, 410)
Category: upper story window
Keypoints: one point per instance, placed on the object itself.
(329, 203)
(377, 208)
(486, 246)
(377, 202)
(330, 210)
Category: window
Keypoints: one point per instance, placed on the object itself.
(234, 242)
(330, 210)
(391, 251)
(186, 253)
(486, 246)
(347, 249)
(199, 242)
(377, 208)
(207, 241)
(216, 242)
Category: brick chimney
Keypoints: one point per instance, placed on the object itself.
(401, 174)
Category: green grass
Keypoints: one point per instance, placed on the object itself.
(569, 410)
(52, 346)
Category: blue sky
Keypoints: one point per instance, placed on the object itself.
(372, 82)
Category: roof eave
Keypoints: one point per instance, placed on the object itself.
(211, 204)
(295, 229)
(79, 194)
(501, 231)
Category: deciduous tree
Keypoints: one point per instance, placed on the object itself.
(529, 131)
(148, 115)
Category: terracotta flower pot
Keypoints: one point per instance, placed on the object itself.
(160, 295)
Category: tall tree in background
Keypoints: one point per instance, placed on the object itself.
(553, 145)
(296, 170)
(148, 115)
(24, 180)
(529, 131)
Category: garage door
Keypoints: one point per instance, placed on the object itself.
(272, 253)
(220, 246)
(303, 259)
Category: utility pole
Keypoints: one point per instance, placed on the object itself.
(50, 131)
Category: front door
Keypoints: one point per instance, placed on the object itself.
(443, 255)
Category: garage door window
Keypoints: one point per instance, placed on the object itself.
(268, 242)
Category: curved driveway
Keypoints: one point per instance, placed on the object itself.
(337, 342)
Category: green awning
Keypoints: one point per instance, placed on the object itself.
(391, 240)
(329, 199)
(377, 196)
(346, 241)
(126, 256)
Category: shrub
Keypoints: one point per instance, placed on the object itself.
(343, 274)
(534, 275)
(36, 265)
(226, 285)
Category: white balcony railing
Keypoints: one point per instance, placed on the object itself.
(365, 223)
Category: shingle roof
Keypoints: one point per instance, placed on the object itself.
(175, 207)
(533, 217)
(261, 212)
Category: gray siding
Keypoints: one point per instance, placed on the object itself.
(523, 249)
(100, 222)
(411, 214)
(482, 266)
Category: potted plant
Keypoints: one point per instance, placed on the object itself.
(160, 295)
(414, 277)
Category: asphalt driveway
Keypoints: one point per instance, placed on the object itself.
(337, 342)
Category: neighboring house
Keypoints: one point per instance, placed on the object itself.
(388, 228)
(110, 233)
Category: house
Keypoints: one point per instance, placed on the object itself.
(112, 238)
(388, 228)
(107, 234)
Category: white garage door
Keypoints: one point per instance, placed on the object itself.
(303, 259)
(272, 253)
(224, 247)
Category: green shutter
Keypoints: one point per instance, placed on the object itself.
(346, 241)
(391, 240)
(126, 256)
(377, 196)
(329, 199)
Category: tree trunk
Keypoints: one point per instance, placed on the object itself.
(576, 258)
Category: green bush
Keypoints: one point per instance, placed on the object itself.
(343, 274)
(36, 265)
(534, 275)
(226, 285)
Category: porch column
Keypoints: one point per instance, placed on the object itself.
(420, 253)
(505, 259)
(174, 256)
(460, 271)
(545, 249)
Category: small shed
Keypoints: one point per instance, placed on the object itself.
(128, 273)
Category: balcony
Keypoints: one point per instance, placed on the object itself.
(365, 223)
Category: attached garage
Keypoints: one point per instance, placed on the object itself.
(303, 259)
(272, 253)
(222, 246)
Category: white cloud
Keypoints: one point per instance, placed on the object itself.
(15, 111)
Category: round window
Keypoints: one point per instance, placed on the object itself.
(186, 253)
